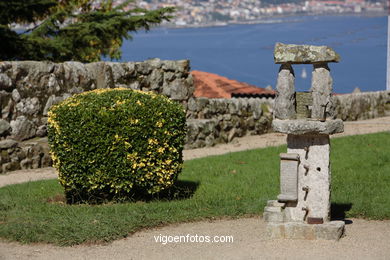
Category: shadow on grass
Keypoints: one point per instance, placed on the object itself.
(338, 211)
(181, 190)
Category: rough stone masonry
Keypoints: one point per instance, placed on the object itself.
(302, 209)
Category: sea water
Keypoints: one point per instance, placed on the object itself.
(245, 52)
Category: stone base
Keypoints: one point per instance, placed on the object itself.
(273, 212)
(333, 230)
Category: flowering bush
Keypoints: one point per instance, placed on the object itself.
(115, 143)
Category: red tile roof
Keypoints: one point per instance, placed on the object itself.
(214, 86)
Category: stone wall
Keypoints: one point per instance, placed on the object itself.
(28, 88)
(365, 105)
(31, 154)
(213, 121)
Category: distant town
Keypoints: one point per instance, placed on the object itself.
(197, 13)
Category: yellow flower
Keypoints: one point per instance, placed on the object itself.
(132, 156)
(120, 102)
(152, 141)
(139, 103)
(52, 121)
(75, 104)
(134, 121)
(159, 124)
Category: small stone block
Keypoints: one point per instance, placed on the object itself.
(288, 177)
(275, 230)
(333, 230)
(303, 126)
(304, 100)
(296, 230)
(276, 217)
(287, 197)
(304, 54)
(273, 209)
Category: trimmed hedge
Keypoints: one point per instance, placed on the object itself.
(116, 143)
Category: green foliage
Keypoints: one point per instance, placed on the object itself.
(116, 144)
(71, 29)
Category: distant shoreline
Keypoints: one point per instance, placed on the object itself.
(271, 20)
(283, 18)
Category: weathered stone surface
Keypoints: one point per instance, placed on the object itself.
(26, 164)
(274, 217)
(5, 127)
(233, 117)
(304, 54)
(42, 131)
(289, 163)
(314, 176)
(177, 90)
(156, 79)
(295, 230)
(181, 65)
(29, 106)
(363, 105)
(284, 106)
(273, 209)
(197, 132)
(8, 143)
(5, 81)
(22, 128)
(333, 230)
(10, 166)
(302, 126)
(52, 100)
(304, 102)
(322, 89)
(15, 95)
(24, 155)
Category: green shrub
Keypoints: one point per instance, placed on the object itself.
(115, 143)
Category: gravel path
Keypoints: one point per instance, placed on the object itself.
(364, 239)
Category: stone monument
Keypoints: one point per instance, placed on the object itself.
(302, 209)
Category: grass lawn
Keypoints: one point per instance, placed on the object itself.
(231, 185)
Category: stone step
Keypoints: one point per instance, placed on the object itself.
(274, 217)
(273, 209)
(333, 230)
(275, 203)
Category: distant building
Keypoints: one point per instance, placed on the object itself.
(214, 86)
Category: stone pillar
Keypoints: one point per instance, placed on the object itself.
(284, 107)
(322, 89)
(302, 209)
(313, 175)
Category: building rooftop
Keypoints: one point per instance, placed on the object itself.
(214, 86)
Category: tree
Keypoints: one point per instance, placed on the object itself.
(82, 30)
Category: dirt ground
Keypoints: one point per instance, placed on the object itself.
(364, 239)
